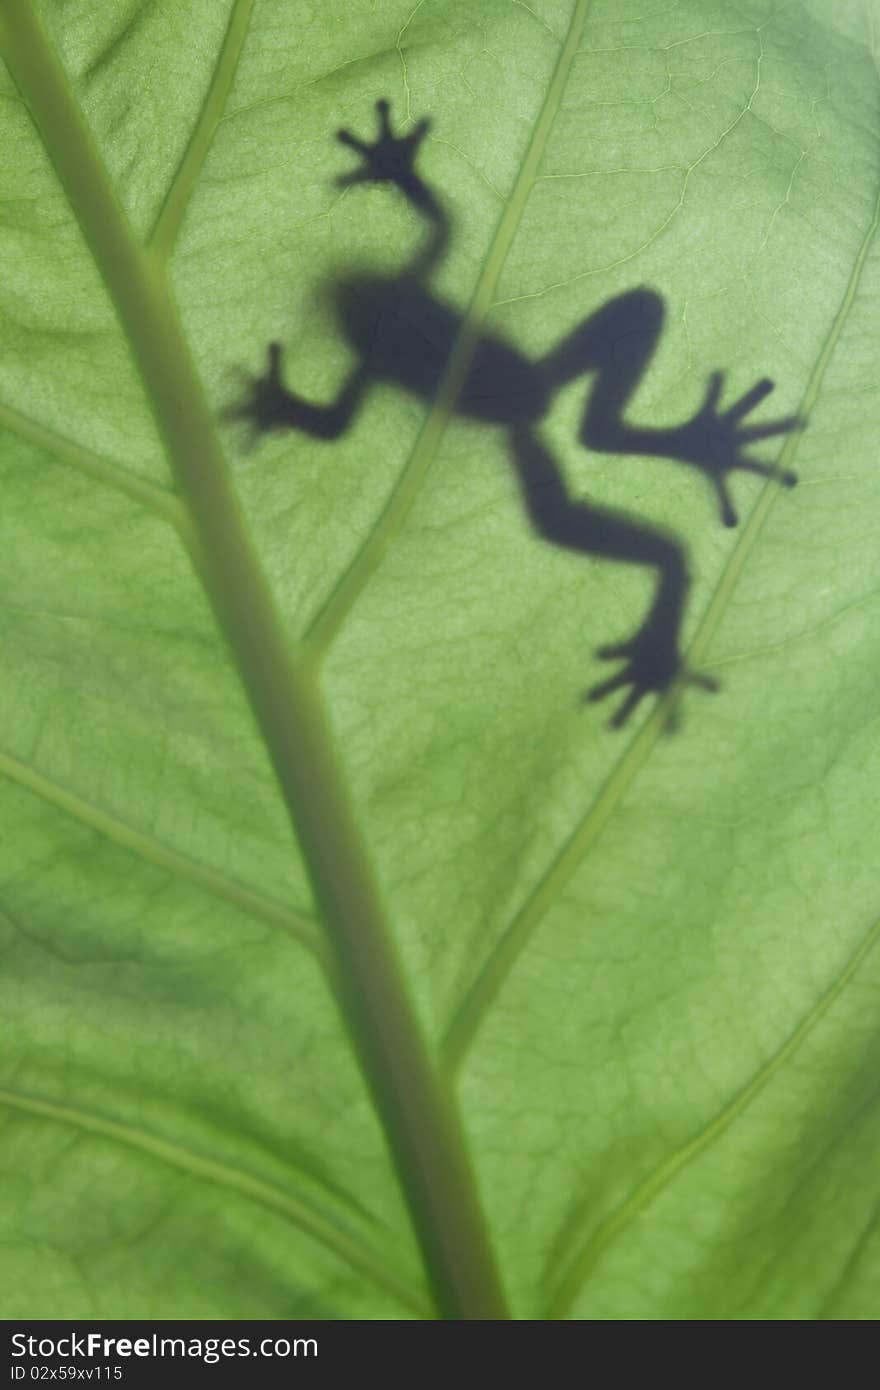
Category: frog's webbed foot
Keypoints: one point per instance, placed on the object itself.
(266, 405)
(714, 440)
(390, 158)
(652, 665)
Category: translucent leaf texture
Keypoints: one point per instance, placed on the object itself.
(637, 969)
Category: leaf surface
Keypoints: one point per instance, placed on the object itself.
(642, 963)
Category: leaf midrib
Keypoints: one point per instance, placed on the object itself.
(417, 1110)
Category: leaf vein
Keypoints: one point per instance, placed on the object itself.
(332, 615)
(323, 1228)
(488, 982)
(418, 1112)
(159, 500)
(585, 1263)
(167, 225)
(154, 852)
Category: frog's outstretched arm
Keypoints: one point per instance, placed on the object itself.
(391, 159)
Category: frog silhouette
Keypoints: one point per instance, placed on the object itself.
(404, 334)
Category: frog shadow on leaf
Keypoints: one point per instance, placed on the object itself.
(404, 335)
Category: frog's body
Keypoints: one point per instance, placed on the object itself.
(407, 337)
(402, 334)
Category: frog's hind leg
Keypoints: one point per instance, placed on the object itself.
(652, 653)
(617, 343)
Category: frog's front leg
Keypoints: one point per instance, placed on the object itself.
(391, 159)
(270, 406)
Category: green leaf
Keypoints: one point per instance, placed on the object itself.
(353, 967)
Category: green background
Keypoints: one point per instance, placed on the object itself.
(645, 961)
